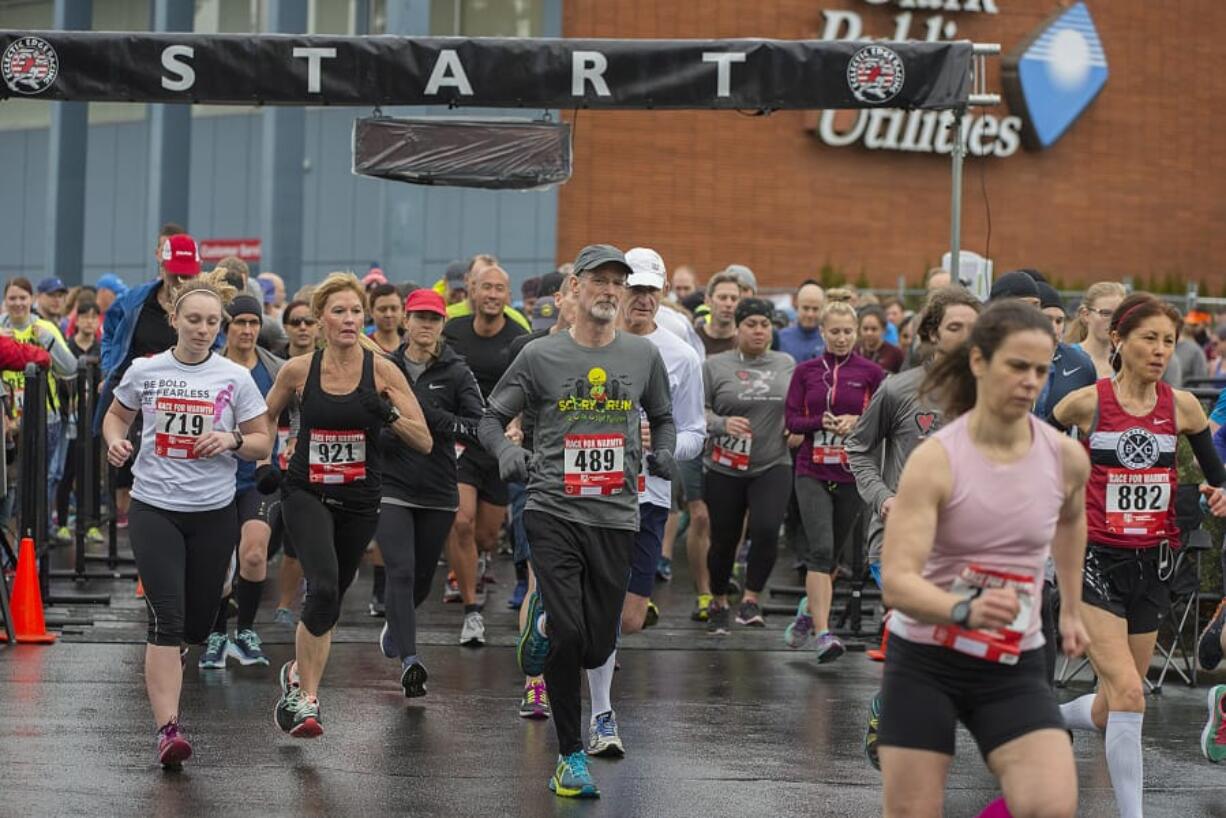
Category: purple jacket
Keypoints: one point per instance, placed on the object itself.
(851, 381)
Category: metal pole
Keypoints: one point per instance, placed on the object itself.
(957, 155)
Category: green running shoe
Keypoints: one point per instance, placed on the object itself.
(1213, 737)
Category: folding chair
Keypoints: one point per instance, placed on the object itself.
(1178, 646)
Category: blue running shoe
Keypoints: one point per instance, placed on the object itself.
(387, 644)
(517, 596)
(533, 644)
(664, 570)
(797, 634)
(571, 778)
(213, 657)
(247, 648)
(603, 738)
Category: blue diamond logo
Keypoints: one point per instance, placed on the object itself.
(1054, 75)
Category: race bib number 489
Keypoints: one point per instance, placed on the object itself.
(180, 423)
(594, 465)
(337, 457)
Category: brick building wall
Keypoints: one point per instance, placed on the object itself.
(1135, 188)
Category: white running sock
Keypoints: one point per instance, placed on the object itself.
(1124, 761)
(1077, 713)
(600, 685)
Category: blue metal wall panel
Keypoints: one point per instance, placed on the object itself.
(344, 223)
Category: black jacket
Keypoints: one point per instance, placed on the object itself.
(451, 401)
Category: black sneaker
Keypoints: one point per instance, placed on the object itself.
(377, 608)
(413, 680)
(718, 620)
(1209, 648)
(750, 614)
(283, 714)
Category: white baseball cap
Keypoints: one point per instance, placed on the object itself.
(646, 268)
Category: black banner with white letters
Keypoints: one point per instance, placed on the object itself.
(280, 69)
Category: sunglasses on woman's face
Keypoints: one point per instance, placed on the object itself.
(297, 322)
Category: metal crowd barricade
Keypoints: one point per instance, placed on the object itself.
(92, 473)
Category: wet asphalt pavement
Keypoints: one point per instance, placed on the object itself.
(733, 726)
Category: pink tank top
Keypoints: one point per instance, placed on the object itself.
(996, 528)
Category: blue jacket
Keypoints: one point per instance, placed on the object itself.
(1071, 369)
(117, 332)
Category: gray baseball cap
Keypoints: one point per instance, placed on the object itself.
(594, 255)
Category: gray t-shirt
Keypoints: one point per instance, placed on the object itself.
(586, 441)
(892, 426)
(755, 389)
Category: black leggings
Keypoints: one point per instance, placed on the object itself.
(63, 490)
(765, 498)
(182, 558)
(329, 542)
(411, 540)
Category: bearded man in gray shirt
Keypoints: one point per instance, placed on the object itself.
(589, 387)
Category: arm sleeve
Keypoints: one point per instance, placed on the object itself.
(657, 401)
(687, 412)
(510, 396)
(796, 408)
(864, 450)
(1208, 456)
(469, 407)
(110, 327)
(63, 362)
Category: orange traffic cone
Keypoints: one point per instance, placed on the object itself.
(878, 655)
(28, 623)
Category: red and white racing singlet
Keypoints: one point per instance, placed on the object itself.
(1130, 494)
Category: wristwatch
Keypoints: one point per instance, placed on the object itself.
(238, 439)
(394, 415)
(961, 613)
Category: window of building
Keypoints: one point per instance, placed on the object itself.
(486, 18)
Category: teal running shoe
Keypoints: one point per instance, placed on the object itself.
(571, 778)
(533, 644)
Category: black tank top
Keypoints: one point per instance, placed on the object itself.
(337, 457)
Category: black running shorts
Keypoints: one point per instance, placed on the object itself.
(480, 470)
(928, 689)
(1130, 583)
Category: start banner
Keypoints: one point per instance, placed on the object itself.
(279, 69)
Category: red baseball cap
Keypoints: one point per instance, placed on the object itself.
(180, 256)
(425, 300)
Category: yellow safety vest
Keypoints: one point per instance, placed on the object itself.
(17, 380)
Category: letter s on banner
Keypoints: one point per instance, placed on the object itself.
(184, 75)
(588, 66)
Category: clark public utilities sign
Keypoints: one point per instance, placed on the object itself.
(1049, 78)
